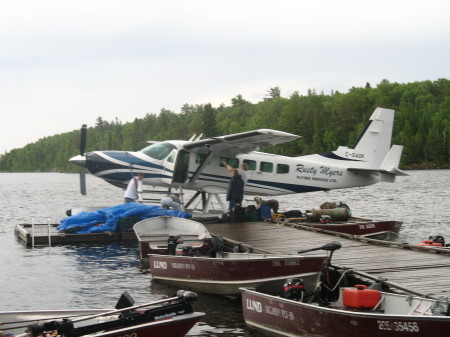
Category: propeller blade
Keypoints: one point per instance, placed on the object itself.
(83, 139)
(82, 181)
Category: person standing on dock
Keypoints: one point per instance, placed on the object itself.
(131, 193)
(235, 192)
(241, 171)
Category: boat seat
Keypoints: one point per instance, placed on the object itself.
(160, 241)
(421, 309)
(412, 306)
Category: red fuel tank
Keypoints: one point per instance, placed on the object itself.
(360, 297)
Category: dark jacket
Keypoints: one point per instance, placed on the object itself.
(235, 188)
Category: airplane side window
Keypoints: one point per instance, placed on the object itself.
(200, 158)
(233, 162)
(266, 167)
(282, 168)
(221, 160)
(158, 150)
(172, 156)
(251, 164)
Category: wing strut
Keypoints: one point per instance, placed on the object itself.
(206, 201)
(205, 159)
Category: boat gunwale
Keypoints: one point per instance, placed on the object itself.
(192, 316)
(352, 312)
(264, 257)
(228, 282)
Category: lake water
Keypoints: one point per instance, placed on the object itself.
(94, 276)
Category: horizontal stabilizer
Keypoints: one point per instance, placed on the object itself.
(389, 176)
(389, 167)
(392, 160)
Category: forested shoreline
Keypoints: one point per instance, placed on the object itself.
(422, 125)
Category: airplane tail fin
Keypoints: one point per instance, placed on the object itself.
(374, 142)
(372, 151)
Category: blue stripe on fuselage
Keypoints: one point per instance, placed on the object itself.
(128, 157)
(125, 176)
(283, 186)
(96, 163)
(271, 186)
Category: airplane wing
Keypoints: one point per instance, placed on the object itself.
(244, 142)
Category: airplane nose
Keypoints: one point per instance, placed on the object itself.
(78, 160)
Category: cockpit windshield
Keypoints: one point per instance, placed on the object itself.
(158, 150)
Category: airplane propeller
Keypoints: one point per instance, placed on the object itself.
(82, 149)
(83, 139)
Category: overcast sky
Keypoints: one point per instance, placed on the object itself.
(65, 63)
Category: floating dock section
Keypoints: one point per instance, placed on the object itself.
(47, 235)
(420, 270)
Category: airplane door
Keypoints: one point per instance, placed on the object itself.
(181, 171)
(169, 164)
(176, 167)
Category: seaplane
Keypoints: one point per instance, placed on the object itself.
(198, 163)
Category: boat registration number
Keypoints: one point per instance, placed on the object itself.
(278, 263)
(398, 326)
(367, 226)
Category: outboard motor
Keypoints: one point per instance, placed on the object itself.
(185, 250)
(438, 239)
(125, 301)
(294, 289)
(172, 243)
(380, 285)
(434, 241)
(64, 327)
(331, 280)
(330, 277)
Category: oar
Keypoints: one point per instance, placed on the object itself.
(331, 246)
(393, 285)
(36, 319)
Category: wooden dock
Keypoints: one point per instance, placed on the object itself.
(408, 266)
(47, 234)
(423, 270)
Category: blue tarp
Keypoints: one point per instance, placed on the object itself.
(107, 219)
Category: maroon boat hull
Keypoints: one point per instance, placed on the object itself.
(370, 228)
(224, 276)
(276, 316)
(14, 323)
(177, 326)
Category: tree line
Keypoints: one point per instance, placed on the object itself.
(422, 125)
